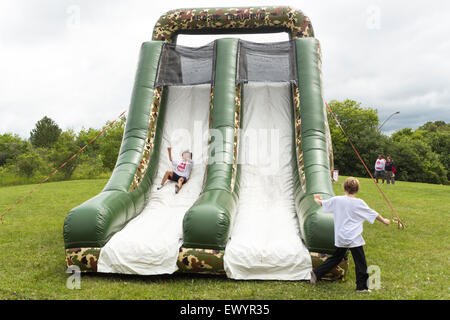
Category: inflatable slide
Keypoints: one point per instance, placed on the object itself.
(254, 118)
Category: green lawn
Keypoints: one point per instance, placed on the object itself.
(414, 262)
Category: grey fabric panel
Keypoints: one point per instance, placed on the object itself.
(181, 65)
(266, 62)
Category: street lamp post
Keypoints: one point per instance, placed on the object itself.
(387, 120)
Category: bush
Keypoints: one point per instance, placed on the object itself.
(417, 162)
(64, 148)
(11, 146)
(90, 168)
(28, 163)
(110, 143)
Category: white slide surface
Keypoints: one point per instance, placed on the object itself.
(149, 244)
(265, 239)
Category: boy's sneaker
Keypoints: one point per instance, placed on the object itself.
(313, 278)
(177, 188)
(363, 291)
(160, 187)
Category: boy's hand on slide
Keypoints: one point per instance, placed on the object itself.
(318, 199)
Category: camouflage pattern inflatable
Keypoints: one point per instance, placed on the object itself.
(207, 224)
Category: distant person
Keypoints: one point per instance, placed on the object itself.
(181, 170)
(394, 167)
(349, 216)
(390, 170)
(380, 168)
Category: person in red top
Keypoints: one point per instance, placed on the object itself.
(390, 171)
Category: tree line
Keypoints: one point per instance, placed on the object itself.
(31, 160)
(421, 155)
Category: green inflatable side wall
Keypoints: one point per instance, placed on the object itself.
(94, 222)
(317, 227)
(207, 223)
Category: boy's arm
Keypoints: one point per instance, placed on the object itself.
(318, 199)
(383, 220)
(169, 150)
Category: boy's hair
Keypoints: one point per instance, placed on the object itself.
(186, 151)
(351, 185)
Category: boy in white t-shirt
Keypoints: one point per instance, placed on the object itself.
(380, 164)
(349, 216)
(181, 170)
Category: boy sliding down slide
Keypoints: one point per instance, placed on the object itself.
(349, 216)
(181, 170)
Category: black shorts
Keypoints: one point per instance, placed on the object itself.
(176, 177)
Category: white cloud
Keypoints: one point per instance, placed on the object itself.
(78, 66)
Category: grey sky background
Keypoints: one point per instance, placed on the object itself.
(75, 61)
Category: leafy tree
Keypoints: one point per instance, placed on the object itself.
(28, 163)
(84, 137)
(11, 146)
(437, 135)
(353, 118)
(416, 161)
(110, 143)
(360, 124)
(402, 133)
(45, 134)
(63, 149)
(436, 126)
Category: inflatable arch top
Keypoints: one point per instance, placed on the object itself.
(232, 20)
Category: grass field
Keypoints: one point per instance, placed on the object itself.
(414, 263)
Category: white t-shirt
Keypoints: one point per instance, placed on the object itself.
(182, 168)
(379, 164)
(349, 216)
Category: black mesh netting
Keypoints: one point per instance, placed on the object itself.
(267, 62)
(263, 62)
(186, 66)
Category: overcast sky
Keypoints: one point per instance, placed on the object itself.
(75, 61)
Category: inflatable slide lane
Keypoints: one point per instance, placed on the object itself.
(254, 118)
